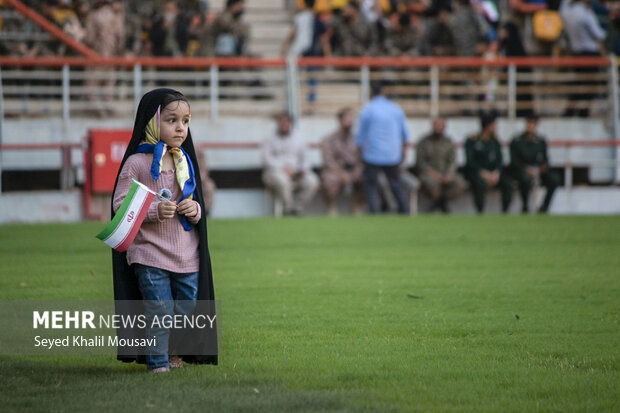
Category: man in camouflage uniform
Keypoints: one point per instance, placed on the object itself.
(342, 166)
(485, 164)
(529, 163)
(436, 162)
(402, 40)
(229, 34)
(351, 33)
(105, 34)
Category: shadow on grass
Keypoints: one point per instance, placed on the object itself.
(97, 383)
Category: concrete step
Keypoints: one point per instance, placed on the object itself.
(278, 31)
(269, 23)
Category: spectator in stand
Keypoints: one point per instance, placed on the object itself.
(436, 163)
(585, 38)
(72, 23)
(511, 45)
(342, 167)
(354, 35)
(286, 167)
(338, 5)
(198, 33)
(303, 40)
(298, 42)
(529, 163)
(371, 10)
(375, 12)
(82, 8)
(417, 7)
(521, 12)
(402, 39)
(469, 28)
(439, 35)
(435, 7)
(105, 34)
(230, 34)
(484, 164)
(169, 32)
(54, 47)
(383, 139)
(138, 23)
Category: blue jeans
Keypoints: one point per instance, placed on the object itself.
(165, 293)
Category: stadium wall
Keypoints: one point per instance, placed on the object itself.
(66, 206)
(53, 130)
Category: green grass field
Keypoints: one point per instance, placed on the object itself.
(492, 313)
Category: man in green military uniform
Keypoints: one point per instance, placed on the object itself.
(529, 163)
(352, 34)
(436, 162)
(484, 164)
(402, 39)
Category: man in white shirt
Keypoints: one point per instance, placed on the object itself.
(286, 167)
(299, 39)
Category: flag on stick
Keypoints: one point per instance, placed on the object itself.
(121, 231)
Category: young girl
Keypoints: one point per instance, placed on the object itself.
(169, 258)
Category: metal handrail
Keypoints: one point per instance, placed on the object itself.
(506, 93)
(306, 61)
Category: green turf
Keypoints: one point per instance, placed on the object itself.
(430, 313)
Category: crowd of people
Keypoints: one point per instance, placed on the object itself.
(367, 162)
(334, 28)
(126, 28)
(453, 28)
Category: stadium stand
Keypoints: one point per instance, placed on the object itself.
(47, 104)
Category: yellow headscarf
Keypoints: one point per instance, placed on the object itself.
(184, 171)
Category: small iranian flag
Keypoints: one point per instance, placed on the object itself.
(121, 231)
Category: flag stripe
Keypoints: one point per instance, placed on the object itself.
(136, 227)
(120, 214)
(124, 227)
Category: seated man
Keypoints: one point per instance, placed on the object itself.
(286, 167)
(436, 162)
(342, 166)
(529, 162)
(484, 164)
(229, 34)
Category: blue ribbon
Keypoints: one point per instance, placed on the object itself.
(189, 186)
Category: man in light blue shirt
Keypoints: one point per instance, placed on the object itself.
(584, 33)
(382, 138)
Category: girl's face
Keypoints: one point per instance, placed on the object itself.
(174, 123)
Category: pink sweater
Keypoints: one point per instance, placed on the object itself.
(162, 244)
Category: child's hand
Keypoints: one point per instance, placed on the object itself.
(188, 208)
(166, 209)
